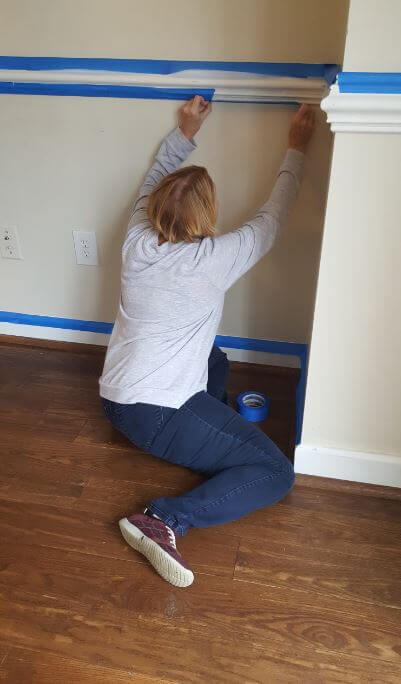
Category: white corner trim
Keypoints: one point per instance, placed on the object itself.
(355, 466)
(362, 112)
(241, 87)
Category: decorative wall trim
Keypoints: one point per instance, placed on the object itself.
(259, 82)
(356, 466)
(365, 103)
(98, 332)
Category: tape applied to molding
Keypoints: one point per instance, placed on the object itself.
(159, 66)
(89, 90)
(238, 82)
(253, 406)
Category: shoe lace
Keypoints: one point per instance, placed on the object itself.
(171, 536)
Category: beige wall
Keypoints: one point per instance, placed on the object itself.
(74, 163)
(267, 30)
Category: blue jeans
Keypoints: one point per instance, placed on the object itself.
(244, 469)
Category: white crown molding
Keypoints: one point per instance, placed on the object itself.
(362, 112)
(355, 466)
(240, 87)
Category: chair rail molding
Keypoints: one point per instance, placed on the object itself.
(258, 82)
(364, 103)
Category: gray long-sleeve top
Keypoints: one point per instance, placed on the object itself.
(172, 295)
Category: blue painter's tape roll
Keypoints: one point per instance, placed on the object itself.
(253, 406)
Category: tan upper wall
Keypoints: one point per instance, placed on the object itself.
(75, 163)
(276, 30)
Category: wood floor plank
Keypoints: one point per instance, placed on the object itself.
(283, 527)
(340, 502)
(99, 432)
(52, 365)
(80, 462)
(308, 590)
(28, 481)
(79, 402)
(180, 651)
(357, 490)
(19, 399)
(288, 619)
(4, 651)
(119, 497)
(25, 666)
(74, 530)
(36, 423)
(320, 571)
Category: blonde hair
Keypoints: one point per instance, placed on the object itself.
(182, 207)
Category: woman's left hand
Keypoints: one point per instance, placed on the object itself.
(192, 115)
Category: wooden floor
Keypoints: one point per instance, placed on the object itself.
(307, 591)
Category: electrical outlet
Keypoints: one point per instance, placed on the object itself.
(9, 243)
(85, 247)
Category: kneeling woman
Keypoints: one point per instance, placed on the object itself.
(163, 382)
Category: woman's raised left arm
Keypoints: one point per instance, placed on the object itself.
(174, 150)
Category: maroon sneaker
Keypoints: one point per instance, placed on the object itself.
(156, 541)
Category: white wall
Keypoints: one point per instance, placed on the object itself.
(69, 163)
(373, 42)
(354, 383)
(352, 426)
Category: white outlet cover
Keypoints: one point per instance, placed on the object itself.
(9, 243)
(85, 247)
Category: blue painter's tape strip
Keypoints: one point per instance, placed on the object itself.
(369, 82)
(301, 394)
(247, 343)
(85, 90)
(269, 346)
(56, 322)
(158, 66)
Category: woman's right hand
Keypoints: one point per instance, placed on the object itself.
(192, 115)
(302, 127)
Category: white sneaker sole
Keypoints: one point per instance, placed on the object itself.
(162, 562)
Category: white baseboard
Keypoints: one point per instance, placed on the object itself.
(355, 466)
(248, 356)
(84, 337)
(40, 332)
